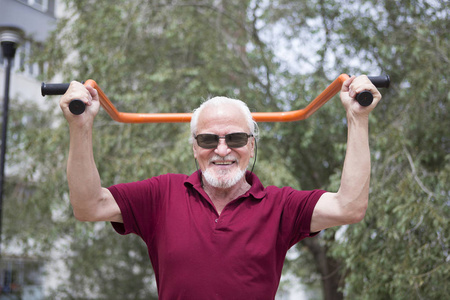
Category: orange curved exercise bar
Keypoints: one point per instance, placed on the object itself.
(288, 116)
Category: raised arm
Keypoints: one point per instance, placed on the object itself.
(349, 204)
(90, 201)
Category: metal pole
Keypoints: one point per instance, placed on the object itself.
(10, 37)
(4, 138)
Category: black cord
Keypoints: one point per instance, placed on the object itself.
(256, 154)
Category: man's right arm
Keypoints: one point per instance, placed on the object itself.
(90, 201)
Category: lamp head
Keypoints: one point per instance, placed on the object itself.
(10, 37)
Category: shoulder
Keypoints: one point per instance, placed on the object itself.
(290, 194)
(160, 181)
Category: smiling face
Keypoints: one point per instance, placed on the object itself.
(223, 167)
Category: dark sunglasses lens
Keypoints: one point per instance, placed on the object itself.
(207, 141)
(236, 140)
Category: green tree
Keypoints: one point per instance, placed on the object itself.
(400, 250)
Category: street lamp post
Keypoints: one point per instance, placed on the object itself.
(10, 38)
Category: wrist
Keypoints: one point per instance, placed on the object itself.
(80, 130)
(357, 119)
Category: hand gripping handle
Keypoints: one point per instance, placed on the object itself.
(365, 98)
(76, 106)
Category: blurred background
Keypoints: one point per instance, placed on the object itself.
(169, 56)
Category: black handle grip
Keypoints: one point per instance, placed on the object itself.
(54, 88)
(76, 106)
(382, 81)
(365, 98)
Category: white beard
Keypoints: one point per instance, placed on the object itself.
(223, 182)
(223, 179)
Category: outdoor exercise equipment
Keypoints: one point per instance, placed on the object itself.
(77, 107)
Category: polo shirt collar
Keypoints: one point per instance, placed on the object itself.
(256, 190)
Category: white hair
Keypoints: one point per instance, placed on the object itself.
(218, 101)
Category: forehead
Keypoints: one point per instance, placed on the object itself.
(221, 119)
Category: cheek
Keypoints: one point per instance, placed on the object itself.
(244, 157)
(202, 156)
(199, 153)
(250, 151)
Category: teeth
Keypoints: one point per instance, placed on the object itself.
(223, 163)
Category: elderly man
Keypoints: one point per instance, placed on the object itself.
(218, 233)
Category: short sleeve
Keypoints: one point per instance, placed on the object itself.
(139, 203)
(297, 214)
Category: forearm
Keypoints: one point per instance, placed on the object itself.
(355, 181)
(82, 174)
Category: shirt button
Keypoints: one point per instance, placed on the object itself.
(216, 220)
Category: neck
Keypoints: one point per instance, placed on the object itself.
(222, 196)
(236, 190)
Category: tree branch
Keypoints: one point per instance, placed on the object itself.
(414, 173)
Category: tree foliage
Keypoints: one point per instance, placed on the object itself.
(400, 250)
(167, 56)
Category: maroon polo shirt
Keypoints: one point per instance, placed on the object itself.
(197, 254)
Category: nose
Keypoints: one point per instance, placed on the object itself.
(222, 148)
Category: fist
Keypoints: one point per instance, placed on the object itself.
(85, 93)
(352, 87)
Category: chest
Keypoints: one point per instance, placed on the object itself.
(192, 230)
(194, 247)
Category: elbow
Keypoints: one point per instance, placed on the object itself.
(358, 214)
(83, 213)
(80, 216)
(101, 207)
(354, 211)
(85, 209)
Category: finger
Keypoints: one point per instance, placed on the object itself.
(360, 84)
(77, 91)
(80, 92)
(347, 83)
(92, 92)
(361, 81)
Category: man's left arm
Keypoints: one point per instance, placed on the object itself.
(349, 204)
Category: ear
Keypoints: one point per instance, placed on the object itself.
(252, 150)
(194, 149)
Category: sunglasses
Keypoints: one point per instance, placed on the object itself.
(233, 140)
